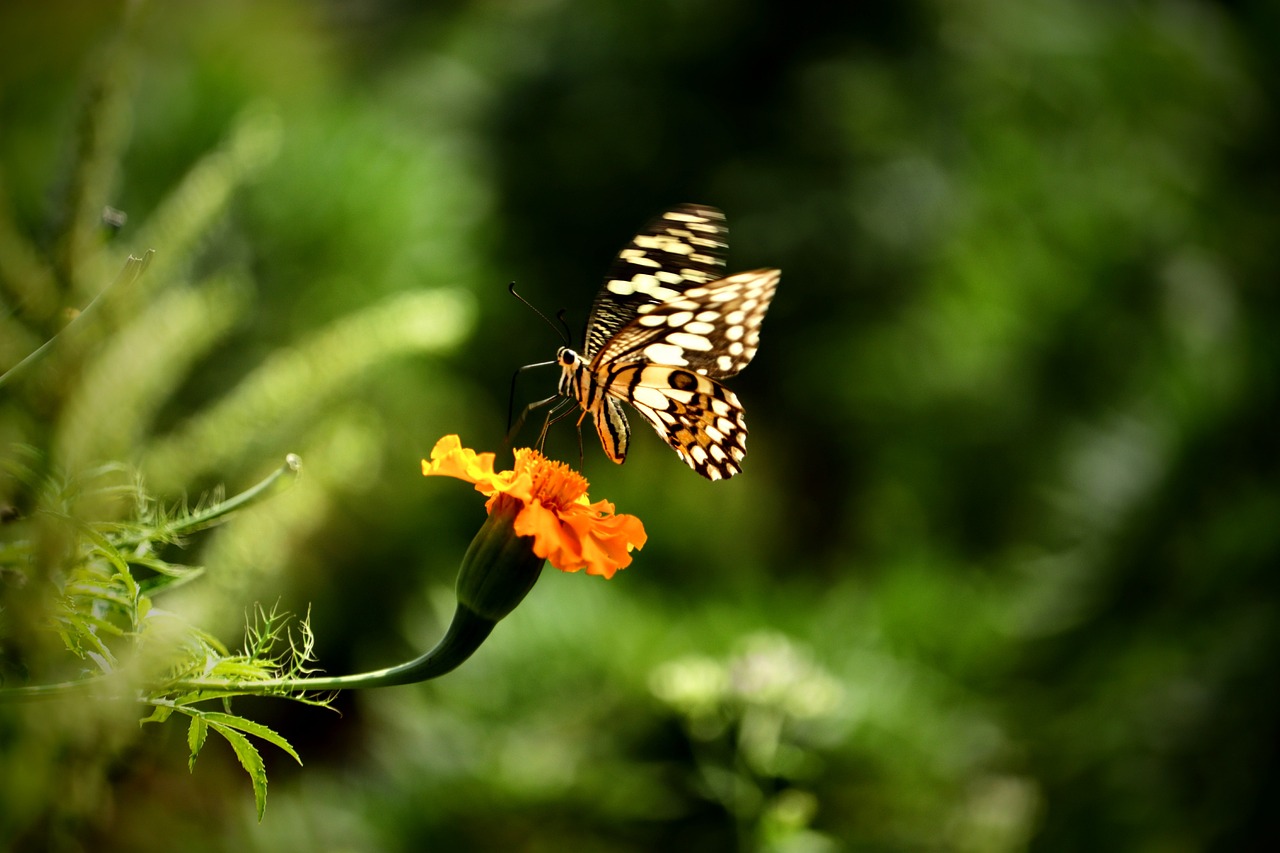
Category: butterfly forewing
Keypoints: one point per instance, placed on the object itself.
(713, 329)
(680, 249)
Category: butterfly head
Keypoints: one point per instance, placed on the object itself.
(570, 363)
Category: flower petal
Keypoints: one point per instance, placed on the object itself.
(552, 540)
(450, 459)
(582, 538)
(606, 541)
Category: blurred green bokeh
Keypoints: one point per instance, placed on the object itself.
(1000, 573)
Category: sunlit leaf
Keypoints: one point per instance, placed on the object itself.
(250, 727)
(250, 760)
(196, 733)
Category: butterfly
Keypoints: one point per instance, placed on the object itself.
(664, 329)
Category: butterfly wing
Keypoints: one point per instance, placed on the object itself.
(698, 417)
(712, 329)
(613, 429)
(680, 249)
(663, 329)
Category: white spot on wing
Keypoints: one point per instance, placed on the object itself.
(688, 341)
(665, 354)
(639, 257)
(651, 397)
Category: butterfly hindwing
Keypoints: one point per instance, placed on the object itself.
(680, 249)
(613, 429)
(698, 417)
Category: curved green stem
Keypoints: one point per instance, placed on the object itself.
(31, 692)
(207, 516)
(133, 267)
(465, 634)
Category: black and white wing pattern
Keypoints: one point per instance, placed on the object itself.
(713, 329)
(666, 326)
(681, 248)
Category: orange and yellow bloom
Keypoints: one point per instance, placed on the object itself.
(548, 504)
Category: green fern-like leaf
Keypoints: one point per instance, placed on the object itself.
(159, 714)
(250, 727)
(196, 734)
(250, 760)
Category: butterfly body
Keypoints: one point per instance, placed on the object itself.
(663, 330)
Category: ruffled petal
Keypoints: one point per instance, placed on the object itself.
(518, 484)
(552, 539)
(450, 459)
(582, 538)
(606, 541)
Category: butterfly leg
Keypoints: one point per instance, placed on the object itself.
(511, 396)
(554, 416)
(524, 414)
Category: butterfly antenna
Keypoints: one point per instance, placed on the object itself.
(514, 424)
(563, 333)
(568, 335)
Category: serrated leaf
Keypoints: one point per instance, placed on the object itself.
(238, 669)
(196, 733)
(252, 728)
(250, 760)
(159, 714)
(105, 549)
(150, 561)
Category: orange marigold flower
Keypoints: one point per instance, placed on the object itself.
(550, 503)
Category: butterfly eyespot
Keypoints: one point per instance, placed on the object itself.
(664, 329)
(682, 380)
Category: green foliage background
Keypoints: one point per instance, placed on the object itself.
(1000, 571)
